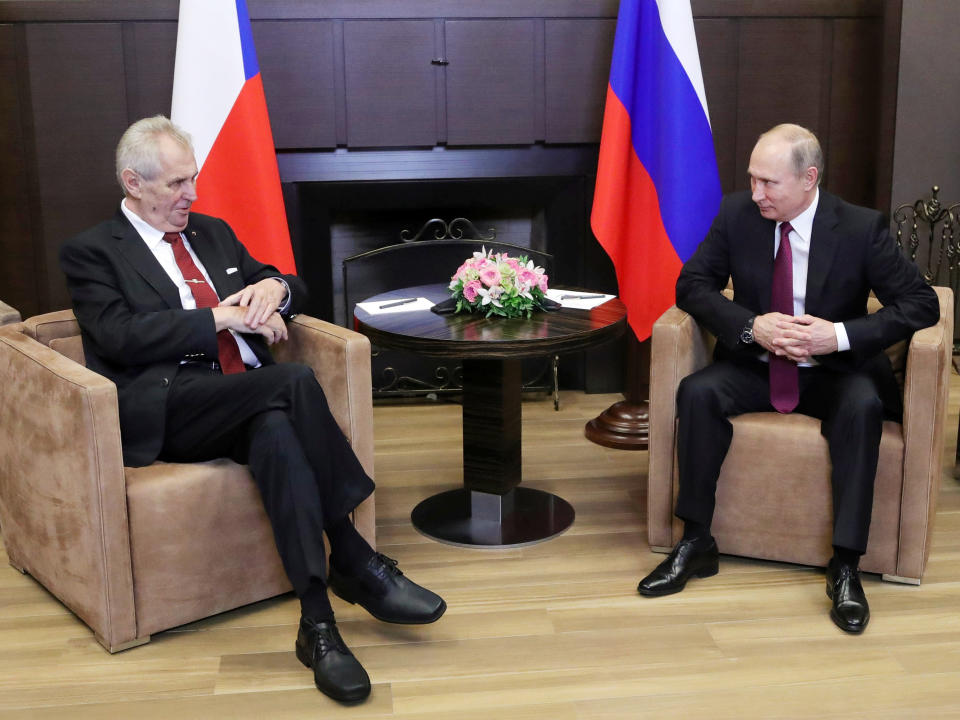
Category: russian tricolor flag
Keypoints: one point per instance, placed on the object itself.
(218, 98)
(658, 188)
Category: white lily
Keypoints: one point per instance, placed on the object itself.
(489, 296)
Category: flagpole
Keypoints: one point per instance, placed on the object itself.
(625, 425)
(657, 188)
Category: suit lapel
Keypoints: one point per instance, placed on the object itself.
(823, 247)
(760, 235)
(136, 252)
(213, 259)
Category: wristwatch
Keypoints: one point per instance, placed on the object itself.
(746, 335)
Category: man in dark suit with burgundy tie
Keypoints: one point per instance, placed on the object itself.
(795, 338)
(177, 313)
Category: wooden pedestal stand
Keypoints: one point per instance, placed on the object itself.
(625, 425)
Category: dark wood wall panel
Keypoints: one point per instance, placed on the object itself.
(150, 51)
(577, 55)
(390, 85)
(297, 67)
(779, 80)
(19, 268)
(718, 42)
(521, 73)
(853, 134)
(490, 92)
(79, 111)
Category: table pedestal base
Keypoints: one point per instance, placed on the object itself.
(468, 518)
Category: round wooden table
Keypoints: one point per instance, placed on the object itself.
(491, 510)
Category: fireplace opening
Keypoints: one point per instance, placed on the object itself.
(334, 220)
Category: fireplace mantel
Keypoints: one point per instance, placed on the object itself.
(343, 165)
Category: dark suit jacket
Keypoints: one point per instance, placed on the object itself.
(135, 330)
(851, 253)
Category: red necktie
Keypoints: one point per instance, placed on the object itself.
(784, 386)
(228, 351)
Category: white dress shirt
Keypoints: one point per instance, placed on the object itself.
(163, 252)
(802, 231)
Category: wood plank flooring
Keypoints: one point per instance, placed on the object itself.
(554, 631)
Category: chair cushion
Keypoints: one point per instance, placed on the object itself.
(181, 517)
(779, 505)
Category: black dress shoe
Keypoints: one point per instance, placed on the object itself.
(383, 591)
(336, 672)
(690, 558)
(850, 611)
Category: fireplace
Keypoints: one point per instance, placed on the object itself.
(347, 202)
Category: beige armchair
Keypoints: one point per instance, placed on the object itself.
(773, 495)
(133, 551)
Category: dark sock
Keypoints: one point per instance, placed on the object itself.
(693, 530)
(847, 556)
(315, 604)
(348, 550)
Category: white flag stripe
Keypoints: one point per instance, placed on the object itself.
(209, 65)
(676, 17)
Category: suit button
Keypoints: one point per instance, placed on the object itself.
(164, 382)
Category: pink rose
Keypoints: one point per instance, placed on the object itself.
(490, 276)
(527, 278)
(512, 263)
(470, 290)
(543, 283)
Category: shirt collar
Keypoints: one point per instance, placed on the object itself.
(151, 236)
(802, 224)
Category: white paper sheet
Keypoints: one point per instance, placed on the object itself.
(578, 300)
(377, 308)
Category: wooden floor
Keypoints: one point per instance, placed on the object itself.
(553, 631)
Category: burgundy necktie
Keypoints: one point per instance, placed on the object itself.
(784, 386)
(228, 351)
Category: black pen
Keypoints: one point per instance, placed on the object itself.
(580, 297)
(396, 303)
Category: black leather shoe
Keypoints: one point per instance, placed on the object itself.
(850, 611)
(382, 590)
(690, 558)
(336, 672)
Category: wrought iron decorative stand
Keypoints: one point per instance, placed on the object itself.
(921, 218)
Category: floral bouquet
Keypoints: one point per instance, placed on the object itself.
(497, 284)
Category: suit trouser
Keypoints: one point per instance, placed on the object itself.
(276, 420)
(849, 406)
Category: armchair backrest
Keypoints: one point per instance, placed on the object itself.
(59, 331)
(8, 314)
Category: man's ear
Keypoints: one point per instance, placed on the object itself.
(131, 182)
(810, 178)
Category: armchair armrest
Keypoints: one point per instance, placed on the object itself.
(63, 507)
(679, 347)
(925, 395)
(340, 359)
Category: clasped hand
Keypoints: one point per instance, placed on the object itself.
(261, 300)
(254, 310)
(796, 338)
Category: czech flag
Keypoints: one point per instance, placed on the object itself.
(218, 98)
(658, 188)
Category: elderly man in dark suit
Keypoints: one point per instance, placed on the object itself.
(177, 313)
(795, 338)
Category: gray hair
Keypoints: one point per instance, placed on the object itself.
(138, 148)
(805, 149)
